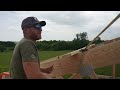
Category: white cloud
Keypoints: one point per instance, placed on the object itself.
(61, 25)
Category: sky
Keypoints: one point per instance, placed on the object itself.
(61, 25)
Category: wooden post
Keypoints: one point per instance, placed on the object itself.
(113, 71)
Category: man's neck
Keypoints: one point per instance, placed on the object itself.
(30, 39)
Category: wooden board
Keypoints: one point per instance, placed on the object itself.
(105, 54)
(65, 65)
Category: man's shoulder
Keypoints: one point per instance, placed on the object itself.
(25, 43)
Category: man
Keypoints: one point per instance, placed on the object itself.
(25, 60)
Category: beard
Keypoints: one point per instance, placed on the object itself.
(36, 36)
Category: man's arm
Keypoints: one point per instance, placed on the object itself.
(33, 71)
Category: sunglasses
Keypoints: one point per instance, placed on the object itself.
(38, 27)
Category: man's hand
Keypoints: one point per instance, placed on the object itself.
(47, 70)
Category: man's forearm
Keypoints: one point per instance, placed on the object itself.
(33, 71)
(39, 75)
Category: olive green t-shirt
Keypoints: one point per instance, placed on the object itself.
(25, 51)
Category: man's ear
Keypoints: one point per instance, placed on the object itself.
(26, 30)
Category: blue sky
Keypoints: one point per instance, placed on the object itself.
(61, 25)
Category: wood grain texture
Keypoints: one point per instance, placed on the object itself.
(107, 53)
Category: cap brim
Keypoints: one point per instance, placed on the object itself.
(42, 23)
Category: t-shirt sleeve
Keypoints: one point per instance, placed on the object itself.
(28, 52)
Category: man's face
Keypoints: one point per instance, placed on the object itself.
(35, 34)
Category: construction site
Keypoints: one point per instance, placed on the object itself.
(83, 62)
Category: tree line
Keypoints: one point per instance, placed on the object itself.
(81, 40)
(6, 46)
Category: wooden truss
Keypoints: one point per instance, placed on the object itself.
(81, 64)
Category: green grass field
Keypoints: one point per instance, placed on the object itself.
(6, 56)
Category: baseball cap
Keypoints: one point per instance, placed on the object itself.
(31, 21)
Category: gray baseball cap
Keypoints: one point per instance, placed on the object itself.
(31, 21)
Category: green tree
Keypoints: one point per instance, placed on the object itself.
(77, 36)
(2, 48)
(98, 40)
(83, 36)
